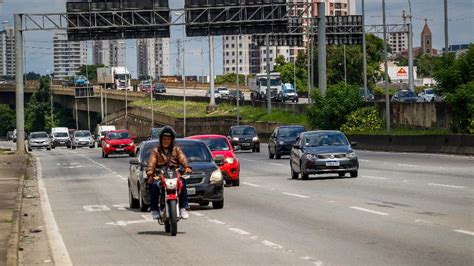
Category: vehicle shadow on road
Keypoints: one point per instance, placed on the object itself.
(201, 208)
(158, 233)
(321, 178)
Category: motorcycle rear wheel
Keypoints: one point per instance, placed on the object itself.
(173, 217)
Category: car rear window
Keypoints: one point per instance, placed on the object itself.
(216, 144)
(290, 132)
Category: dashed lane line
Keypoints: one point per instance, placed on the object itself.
(443, 185)
(369, 211)
(376, 177)
(251, 184)
(464, 232)
(296, 195)
(239, 231)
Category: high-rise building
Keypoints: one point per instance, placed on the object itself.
(7, 52)
(398, 41)
(153, 57)
(109, 53)
(252, 59)
(68, 56)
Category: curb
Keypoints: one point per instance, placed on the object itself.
(13, 242)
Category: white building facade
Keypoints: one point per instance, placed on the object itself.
(398, 41)
(153, 57)
(68, 56)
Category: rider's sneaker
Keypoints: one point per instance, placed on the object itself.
(155, 215)
(184, 214)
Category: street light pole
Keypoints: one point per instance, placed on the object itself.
(345, 66)
(238, 78)
(411, 78)
(364, 51)
(51, 96)
(212, 104)
(19, 93)
(387, 98)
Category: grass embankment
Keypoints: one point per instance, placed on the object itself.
(247, 113)
(405, 132)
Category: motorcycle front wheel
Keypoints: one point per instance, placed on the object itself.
(173, 217)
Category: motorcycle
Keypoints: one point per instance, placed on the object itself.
(170, 186)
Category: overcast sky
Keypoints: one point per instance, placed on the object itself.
(39, 44)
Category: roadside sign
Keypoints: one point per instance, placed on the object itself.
(399, 73)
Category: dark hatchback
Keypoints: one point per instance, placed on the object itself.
(282, 140)
(323, 152)
(244, 137)
(405, 96)
(204, 185)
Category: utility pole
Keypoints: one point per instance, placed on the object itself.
(19, 94)
(446, 36)
(308, 47)
(77, 117)
(269, 96)
(212, 104)
(51, 96)
(345, 66)
(387, 98)
(322, 47)
(152, 110)
(202, 66)
(238, 78)
(184, 81)
(364, 52)
(411, 69)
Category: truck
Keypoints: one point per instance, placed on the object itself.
(288, 93)
(60, 137)
(117, 78)
(101, 131)
(258, 87)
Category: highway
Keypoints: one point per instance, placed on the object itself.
(403, 209)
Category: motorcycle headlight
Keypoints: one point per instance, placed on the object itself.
(255, 139)
(351, 155)
(235, 139)
(216, 176)
(311, 156)
(107, 145)
(131, 144)
(230, 160)
(281, 143)
(171, 183)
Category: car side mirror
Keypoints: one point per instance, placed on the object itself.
(354, 144)
(219, 160)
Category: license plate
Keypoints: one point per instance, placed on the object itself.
(246, 144)
(62, 142)
(191, 191)
(120, 149)
(332, 164)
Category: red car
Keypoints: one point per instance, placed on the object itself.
(220, 145)
(118, 142)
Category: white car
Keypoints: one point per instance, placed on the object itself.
(428, 95)
(216, 94)
(82, 138)
(223, 91)
(39, 140)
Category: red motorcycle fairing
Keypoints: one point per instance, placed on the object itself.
(172, 194)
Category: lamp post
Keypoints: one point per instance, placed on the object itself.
(181, 14)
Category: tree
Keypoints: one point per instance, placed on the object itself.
(455, 78)
(7, 118)
(287, 71)
(331, 111)
(230, 78)
(90, 71)
(32, 76)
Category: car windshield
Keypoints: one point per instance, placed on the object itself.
(61, 135)
(273, 82)
(325, 139)
(159, 86)
(429, 92)
(81, 134)
(290, 132)
(243, 131)
(196, 152)
(216, 144)
(40, 135)
(118, 135)
(407, 94)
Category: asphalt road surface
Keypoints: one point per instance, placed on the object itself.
(404, 209)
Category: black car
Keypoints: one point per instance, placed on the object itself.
(405, 96)
(244, 137)
(282, 140)
(323, 152)
(159, 88)
(204, 185)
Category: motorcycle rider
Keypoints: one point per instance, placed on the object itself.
(167, 154)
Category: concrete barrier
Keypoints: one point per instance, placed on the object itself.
(450, 144)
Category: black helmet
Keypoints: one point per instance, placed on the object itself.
(168, 131)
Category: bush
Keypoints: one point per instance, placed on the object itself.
(331, 112)
(462, 104)
(7, 118)
(366, 119)
(471, 126)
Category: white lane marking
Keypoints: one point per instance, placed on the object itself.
(331, 201)
(277, 164)
(254, 237)
(376, 177)
(271, 244)
(250, 184)
(248, 160)
(406, 165)
(125, 223)
(60, 253)
(443, 185)
(364, 161)
(114, 173)
(216, 221)
(123, 178)
(121, 207)
(313, 261)
(73, 167)
(422, 221)
(239, 231)
(295, 195)
(95, 208)
(197, 214)
(464, 232)
(370, 211)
